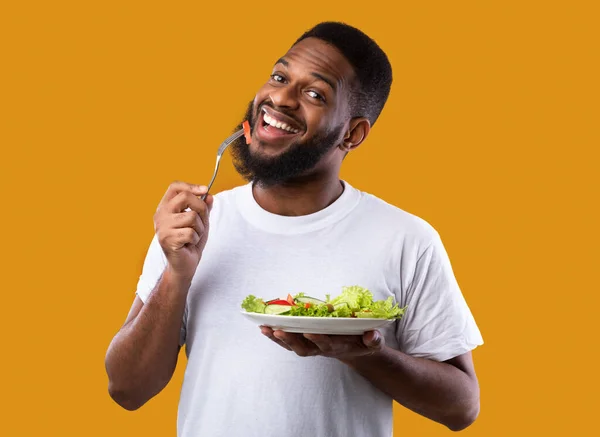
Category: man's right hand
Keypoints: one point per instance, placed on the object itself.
(142, 357)
(182, 234)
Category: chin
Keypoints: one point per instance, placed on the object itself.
(267, 150)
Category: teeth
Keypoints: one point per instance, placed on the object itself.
(278, 124)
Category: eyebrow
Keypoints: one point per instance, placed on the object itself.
(282, 61)
(317, 75)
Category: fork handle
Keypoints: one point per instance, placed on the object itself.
(213, 178)
(230, 139)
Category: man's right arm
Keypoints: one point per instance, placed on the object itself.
(142, 357)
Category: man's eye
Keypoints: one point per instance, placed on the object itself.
(315, 95)
(277, 77)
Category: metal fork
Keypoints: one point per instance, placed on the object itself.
(230, 139)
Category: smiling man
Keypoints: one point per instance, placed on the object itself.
(297, 227)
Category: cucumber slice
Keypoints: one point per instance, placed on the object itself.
(308, 299)
(277, 309)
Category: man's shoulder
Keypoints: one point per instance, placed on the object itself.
(386, 214)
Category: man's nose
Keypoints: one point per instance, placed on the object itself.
(285, 97)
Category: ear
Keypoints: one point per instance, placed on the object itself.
(357, 132)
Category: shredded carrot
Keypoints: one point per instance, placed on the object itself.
(247, 133)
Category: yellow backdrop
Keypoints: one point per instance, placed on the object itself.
(490, 134)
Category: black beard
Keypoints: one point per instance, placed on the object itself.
(292, 164)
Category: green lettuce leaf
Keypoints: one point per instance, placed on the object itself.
(312, 311)
(341, 310)
(356, 297)
(253, 304)
(386, 309)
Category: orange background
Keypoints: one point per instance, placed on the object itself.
(490, 134)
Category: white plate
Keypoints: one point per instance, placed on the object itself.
(317, 325)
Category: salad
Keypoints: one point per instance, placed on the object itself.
(354, 302)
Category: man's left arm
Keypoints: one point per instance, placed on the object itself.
(446, 392)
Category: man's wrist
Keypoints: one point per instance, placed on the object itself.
(359, 361)
(176, 281)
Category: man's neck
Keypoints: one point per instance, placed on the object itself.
(298, 198)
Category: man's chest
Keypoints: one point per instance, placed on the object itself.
(232, 268)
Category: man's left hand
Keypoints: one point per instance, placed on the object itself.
(334, 346)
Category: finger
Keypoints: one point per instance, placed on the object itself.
(298, 343)
(181, 237)
(205, 213)
(268, 332)
(178, 187)
(199, 226)
(323, 342)
(186, 219)
(373, 340)
(185, 200)
(209, 201)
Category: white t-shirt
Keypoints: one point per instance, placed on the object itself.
(239, 383)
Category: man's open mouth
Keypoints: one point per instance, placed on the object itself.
(276, 123)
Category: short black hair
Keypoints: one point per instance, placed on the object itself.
(371, 65)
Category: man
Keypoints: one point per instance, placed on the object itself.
(297, 227)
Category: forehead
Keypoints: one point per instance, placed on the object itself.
(320, 57)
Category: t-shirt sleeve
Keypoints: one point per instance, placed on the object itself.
(154, 266)
(438, 323)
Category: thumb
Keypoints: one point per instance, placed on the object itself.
(373, 339)
(198, 190)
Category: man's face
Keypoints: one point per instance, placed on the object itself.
(298, 116)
